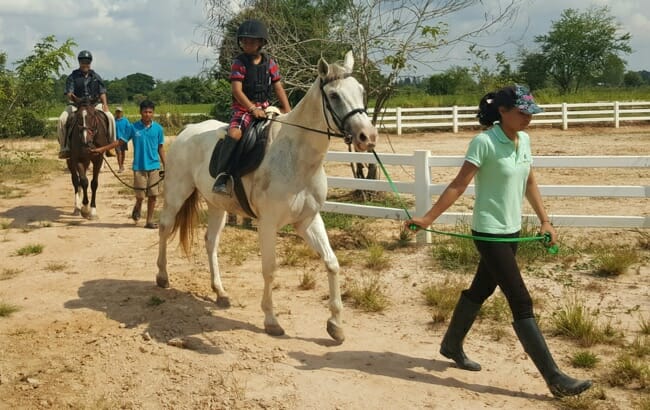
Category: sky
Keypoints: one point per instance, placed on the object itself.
(164, 38)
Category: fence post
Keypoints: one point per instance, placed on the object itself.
(421, 189)
(617, 114)
(454, 115)
(398, 119)
(565, 117)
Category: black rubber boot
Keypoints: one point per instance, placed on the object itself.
(461, 321)
(223, 163)
(534, 344)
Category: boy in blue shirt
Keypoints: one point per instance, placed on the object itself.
(148, 160)
(122, 126)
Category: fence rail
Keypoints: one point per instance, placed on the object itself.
(563, 114)
(423, 189)
(456, 117)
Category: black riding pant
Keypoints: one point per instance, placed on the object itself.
(498, 267)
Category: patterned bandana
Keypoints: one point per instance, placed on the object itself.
(524, 101)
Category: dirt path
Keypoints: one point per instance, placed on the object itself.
(93, 330)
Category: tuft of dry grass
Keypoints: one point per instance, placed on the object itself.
(442, 297)
(367, 294)
(6, 309)
(576, 321)
(614, 261)
(8, 273)
(377, 260)
(307, 281)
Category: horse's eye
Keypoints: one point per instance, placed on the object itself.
(335, 96)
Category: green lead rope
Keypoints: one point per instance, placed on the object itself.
(546, 238)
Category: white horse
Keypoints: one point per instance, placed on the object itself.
(289, 187)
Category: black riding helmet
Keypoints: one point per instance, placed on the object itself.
(85, 55)
(253, 29)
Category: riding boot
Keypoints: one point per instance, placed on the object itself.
(223, 163)
(533, 342)
(461, 321)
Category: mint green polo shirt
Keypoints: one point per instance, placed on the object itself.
(500, 183)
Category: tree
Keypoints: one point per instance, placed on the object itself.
(139, 83)
(533, 70)
(578, 46)
(633, 79)
(29, 91)
(455, 80)
(613, 72)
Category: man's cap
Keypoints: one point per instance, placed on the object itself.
(119, 108)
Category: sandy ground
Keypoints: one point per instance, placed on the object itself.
(94, 331)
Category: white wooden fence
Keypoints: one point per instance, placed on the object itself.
(423, 189)
(564, 114)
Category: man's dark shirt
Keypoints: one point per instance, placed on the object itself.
(90, 86)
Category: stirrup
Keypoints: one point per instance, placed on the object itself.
(222, 187)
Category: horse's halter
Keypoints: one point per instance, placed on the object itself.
(338, 121)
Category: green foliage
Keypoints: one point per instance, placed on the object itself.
(367, 294)
(576, 321)
(584, 359)
(33, 249)
(28, 92)
(579, 46)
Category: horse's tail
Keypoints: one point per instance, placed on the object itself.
(186, 220)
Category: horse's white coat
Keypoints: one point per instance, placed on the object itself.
(289, 187)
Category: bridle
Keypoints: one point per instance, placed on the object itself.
(338, 121)
(327, 108)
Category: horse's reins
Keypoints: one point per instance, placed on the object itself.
(546, 238)
(127, 185)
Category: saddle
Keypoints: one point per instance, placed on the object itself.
(247, 157)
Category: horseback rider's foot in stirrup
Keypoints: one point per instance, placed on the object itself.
(64, 153)
(221, 184)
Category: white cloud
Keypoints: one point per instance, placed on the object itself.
(162, 38)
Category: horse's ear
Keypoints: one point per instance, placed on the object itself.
(323, 67)
(348, 63)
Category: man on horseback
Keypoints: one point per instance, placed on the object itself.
(83, 86)
(253, 74)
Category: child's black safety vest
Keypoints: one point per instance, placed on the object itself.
(257, 82)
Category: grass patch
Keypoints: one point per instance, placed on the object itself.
(585, 401)
(640, 347)
(377, 260)
(614, 261)
(307, 281)
(367, 294)
(442, 297)
(56, 266)
(644, 325)
(8, 273)
(496, 309)
(575, 321)
(33, 249)
(297, 254)
(155, 301)
(629, 372)
(584, 359)
(7, 309)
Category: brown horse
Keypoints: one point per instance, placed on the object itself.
(86, 129)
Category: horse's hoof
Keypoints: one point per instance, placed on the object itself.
(223, 301)
(335, 331)
(76, 212)
(163, 283)
(274, 330)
